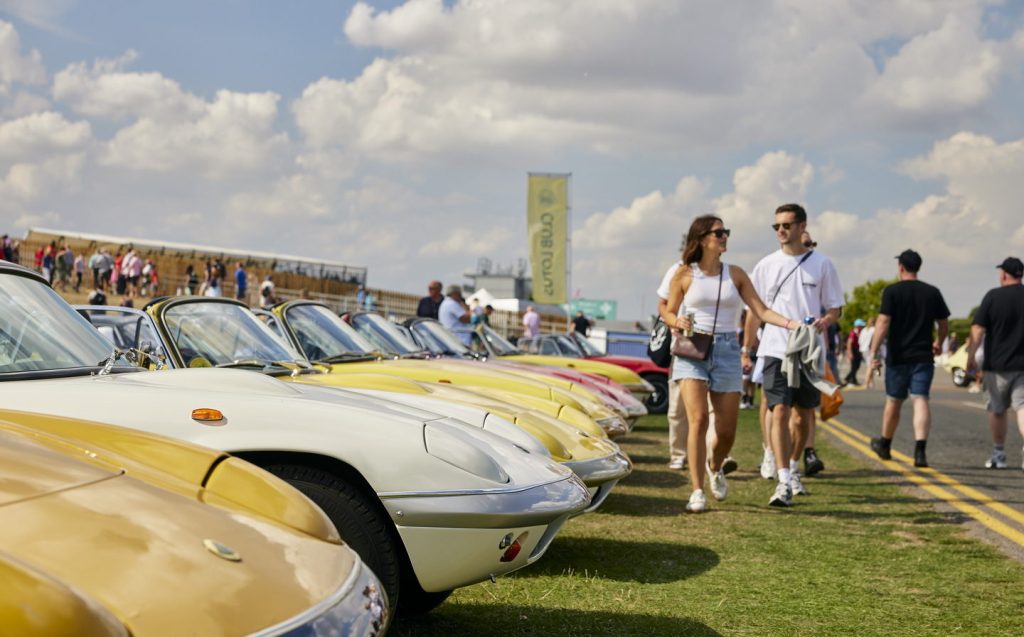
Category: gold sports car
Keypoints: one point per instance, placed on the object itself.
(113, 532)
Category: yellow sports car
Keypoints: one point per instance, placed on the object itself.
(488, 342)
(112, 532)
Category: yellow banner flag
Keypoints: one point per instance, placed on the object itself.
(547, 213)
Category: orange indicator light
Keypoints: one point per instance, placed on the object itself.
(208, 416)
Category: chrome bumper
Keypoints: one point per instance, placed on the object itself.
(358, 608)
(490, 508)
(601, 470)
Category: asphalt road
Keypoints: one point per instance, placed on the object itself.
(990, 501)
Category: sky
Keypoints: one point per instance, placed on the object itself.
(398, 135)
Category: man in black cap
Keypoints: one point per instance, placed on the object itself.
(910, 308)
(1000, 322)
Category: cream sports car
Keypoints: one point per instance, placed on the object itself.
(199, 331)
(109, 532)
(428, 502)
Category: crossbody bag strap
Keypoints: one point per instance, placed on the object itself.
(779, 289)
(721, 273)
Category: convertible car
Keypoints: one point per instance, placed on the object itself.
(428, 502)
(575, 345)
(200, 332)
(398, 341)
(112, 532)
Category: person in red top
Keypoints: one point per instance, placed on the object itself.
(853, 353)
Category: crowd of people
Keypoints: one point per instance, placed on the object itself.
(777, 329)
(453, 311)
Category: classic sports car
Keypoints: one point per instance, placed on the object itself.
(489, 343)
(575, 345)
(111, 532)
(321, 336)
(196, 331)
(392, 340)
(956, 365)
(428, 502)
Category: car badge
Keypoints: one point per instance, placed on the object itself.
(222, 551)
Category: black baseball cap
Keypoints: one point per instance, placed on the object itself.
(909, 260)
(1012, 266)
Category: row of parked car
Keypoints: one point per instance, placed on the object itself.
(277, 472)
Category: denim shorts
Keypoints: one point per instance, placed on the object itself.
(914, 379)
(722, 371)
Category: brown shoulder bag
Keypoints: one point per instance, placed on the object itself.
(698, 346)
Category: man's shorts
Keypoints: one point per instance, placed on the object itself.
(914, 379)
(778, 391)
(1005, 390)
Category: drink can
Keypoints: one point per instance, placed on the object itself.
(809, 320)
(693, 317)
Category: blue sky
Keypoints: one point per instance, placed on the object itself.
(398, 135)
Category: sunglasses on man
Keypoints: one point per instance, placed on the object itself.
(720, 233)
(784, 226)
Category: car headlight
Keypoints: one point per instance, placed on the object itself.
(235, 483)
(454, 446)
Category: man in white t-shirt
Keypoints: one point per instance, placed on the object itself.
(794, 281)
(531, 322)
(677, 424)
(455, 315)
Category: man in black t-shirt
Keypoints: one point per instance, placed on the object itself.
(430, 304)
(581, 323)
(909, 312)
(1000, 322)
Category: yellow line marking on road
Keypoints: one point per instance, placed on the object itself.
(970, 492)
(856, 440)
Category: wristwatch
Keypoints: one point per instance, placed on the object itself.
(744, 350)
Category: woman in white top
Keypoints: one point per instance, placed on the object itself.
(714, 293)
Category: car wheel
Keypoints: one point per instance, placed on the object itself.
(416, 601)
(960, 378)
(359, 522)
(657, 402)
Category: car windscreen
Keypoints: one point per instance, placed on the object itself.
(436, 338)
(40, 332)
(383, 334)
(126, 329)
(500, 346)
(322, 335)
(585, 346)
(567, 345)
(222, 334)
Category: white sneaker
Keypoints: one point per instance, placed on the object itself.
(795, 485)
(697, 502)
(677, 463)
(997, 461)
(768, 464)
(719, 487)
(783, 496)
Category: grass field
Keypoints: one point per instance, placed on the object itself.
(859, 556)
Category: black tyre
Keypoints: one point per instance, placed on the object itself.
(657, 403)
(360, 522)
(416, 601)
(960, 377)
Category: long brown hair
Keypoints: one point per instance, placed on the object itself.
(701, 226)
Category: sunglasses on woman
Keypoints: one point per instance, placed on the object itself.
(810, 244)
(720, 233)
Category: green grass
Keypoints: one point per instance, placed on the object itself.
(859, 556)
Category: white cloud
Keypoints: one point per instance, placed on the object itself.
(15, 67)
(41, 134)
(105, 89)
(232, 134)
(28, 182)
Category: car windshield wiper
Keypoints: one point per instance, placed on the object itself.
(131, 355)
(249, 362)
(348, 356)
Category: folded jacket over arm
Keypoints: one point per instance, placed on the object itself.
(805, 353)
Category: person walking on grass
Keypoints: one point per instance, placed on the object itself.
(798, 282)
(999, 321)
(910, 310)
(713, 292)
